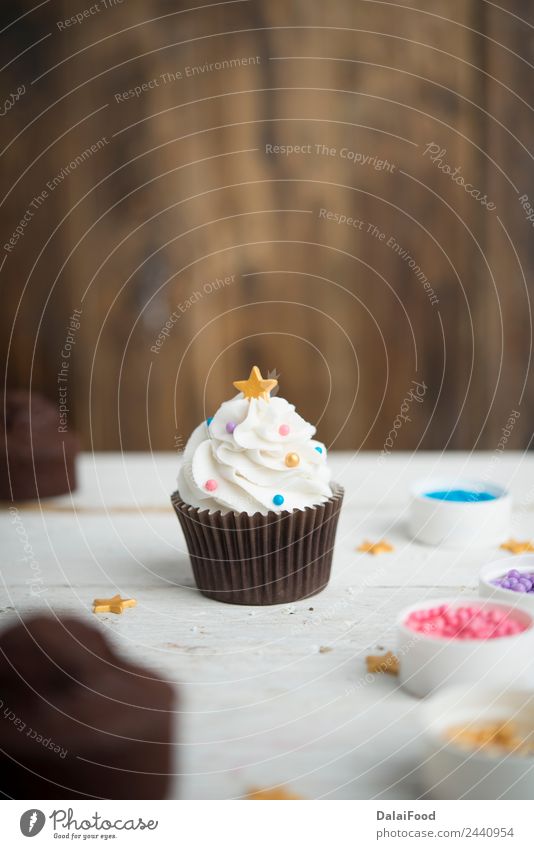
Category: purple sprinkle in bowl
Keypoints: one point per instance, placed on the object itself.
(509, 579)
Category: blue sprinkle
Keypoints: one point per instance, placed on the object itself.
(319, 449)
(278, 500)
(209, 421)
(463, 495)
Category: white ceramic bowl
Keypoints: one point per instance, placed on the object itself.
(428, 663)
(498, 568)
(459, 524)
(450, 771)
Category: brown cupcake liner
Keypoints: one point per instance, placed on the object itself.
(272, 559)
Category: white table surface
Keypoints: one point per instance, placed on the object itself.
(260, 704)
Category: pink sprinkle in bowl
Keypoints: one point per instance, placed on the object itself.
(428, 663)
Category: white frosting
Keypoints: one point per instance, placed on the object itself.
(248, 465)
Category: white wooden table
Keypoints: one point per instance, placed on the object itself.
(260, 703)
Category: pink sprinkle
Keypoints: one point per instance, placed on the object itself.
(211, 485)
(283, 430)
(418, 614)
(463, 623)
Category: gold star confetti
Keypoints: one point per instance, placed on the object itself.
(499, 736)
(381, 547)
(256, 386)
(387, 663)
(112, 605)
(517, 547)
(275, 793)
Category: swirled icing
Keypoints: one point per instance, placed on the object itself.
(246, 468)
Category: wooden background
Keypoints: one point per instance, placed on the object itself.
(183, 192)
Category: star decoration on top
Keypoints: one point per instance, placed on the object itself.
(517, 547)
(116, 604)
(381, 547)
(256, 386)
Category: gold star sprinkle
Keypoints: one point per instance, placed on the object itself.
(499, 736)
(255, 386)
(112, 605)
(275, 793)
(381, 547)
(517, 547)
(386, 663)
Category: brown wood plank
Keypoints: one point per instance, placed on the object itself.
(182, 192)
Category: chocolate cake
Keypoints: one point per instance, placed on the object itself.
(37, 452)
(76, 720)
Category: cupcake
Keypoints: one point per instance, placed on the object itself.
(255, 501)
(37, 455)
